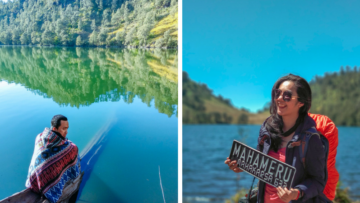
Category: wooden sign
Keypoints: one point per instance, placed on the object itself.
(262, 166)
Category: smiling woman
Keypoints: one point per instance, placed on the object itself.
(280, 137)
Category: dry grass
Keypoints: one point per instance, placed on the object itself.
(168, 72)
(118, 30)
(168, 23)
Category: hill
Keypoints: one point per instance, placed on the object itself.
(337, 95)
(132, 23)
(200, 106)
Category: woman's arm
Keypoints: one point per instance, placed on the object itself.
(315, 163)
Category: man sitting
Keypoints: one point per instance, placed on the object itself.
(55, 160)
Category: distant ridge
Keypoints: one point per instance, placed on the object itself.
(200, 106)
(337, 95)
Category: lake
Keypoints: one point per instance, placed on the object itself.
(207, 179)
(122, 110)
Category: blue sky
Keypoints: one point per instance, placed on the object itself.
(240, 48)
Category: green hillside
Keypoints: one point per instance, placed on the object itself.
(201, 106)
(132, 23)
(337, 95)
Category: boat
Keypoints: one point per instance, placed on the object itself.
(28, 196)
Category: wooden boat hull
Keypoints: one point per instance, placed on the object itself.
(28, 196)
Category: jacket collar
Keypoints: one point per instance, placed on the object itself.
(306, 124)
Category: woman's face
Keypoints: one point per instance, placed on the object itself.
(288, 108)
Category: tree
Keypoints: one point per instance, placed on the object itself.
(106, 16)
(119, 37)
(80, 24)
(166, 3)
(243, 119)
(173, 3)
(46, 37)
(126, 12)
(79, 42)
(129, 35)
(174, 10)
(93, 38)
(5, 37)
(24, 39)
(167, 37)
(159, 43)
(101, 4)
(143, 33)
(33, 37)
(108, 40)
(116, 18)
(16, 36)
(102, 36)
(64, 37)
(93, 25)
(158, 3)
(88, 4)
(114, 5)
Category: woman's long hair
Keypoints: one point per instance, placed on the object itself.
(275, 123)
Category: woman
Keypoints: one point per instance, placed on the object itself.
(290, 103)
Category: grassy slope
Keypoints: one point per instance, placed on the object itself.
(201, 94)
(214, 105)
(160, 27)
(170, 22)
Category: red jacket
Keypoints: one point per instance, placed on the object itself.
(326, 127)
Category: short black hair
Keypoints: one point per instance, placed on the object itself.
(56, 120)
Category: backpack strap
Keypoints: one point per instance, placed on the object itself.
(304, 139)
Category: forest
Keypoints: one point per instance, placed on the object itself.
(336, 95)
(132, 23)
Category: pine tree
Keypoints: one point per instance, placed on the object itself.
(24, 38)
(16, 36)
(102, 36)
(80, 24)
(33, 37)
(93, 38)
(118, 38)
(114, 5)
(79, 42)
(93, 25)
(46, 37)
(129, 35)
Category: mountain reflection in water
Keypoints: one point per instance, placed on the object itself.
(82, 76)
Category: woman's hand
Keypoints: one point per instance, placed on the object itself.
(232, 165)
(287, 195)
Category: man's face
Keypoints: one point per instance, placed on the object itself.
(63, 128)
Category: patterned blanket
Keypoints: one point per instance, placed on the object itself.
(55, 161)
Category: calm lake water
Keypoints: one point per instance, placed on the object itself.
(122, 111)
(207, 179)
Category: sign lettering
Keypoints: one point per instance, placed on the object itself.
(262, 166)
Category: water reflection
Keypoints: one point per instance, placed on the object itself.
(83, 76)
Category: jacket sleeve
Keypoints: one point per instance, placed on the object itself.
(315, 163)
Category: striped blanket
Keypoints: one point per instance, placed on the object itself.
(55, 161)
